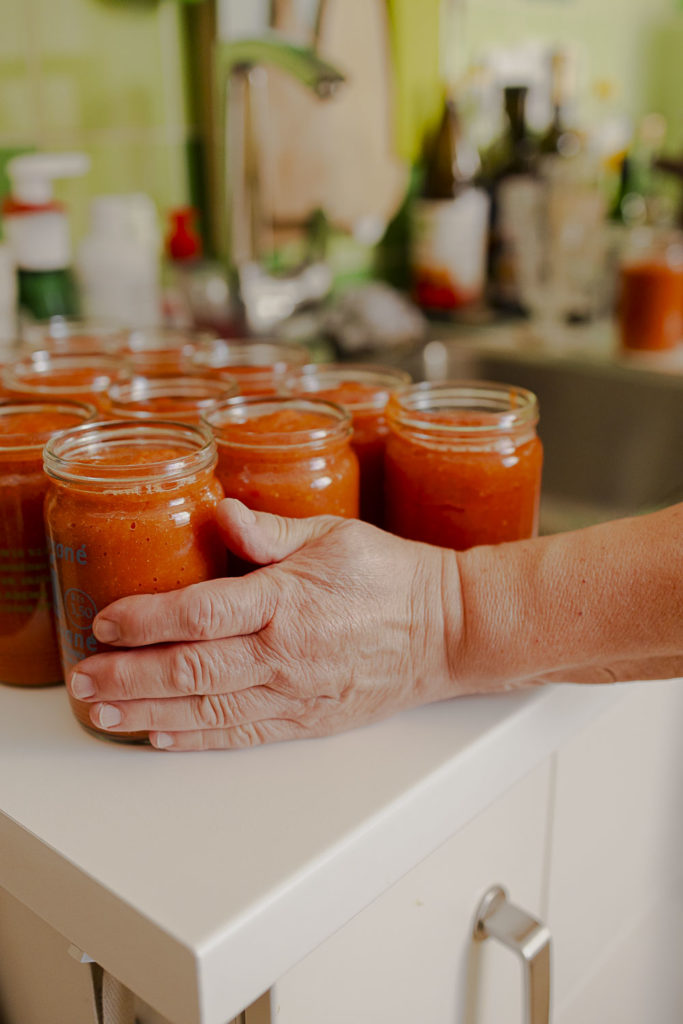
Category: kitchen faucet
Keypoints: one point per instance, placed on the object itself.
(266, 299)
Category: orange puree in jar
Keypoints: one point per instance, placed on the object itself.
(650, 313)
(169, 398)
(463, 464)
(71, 336)
(130, 510)
(54, 376)
(162, 351)
(28, 642)
(287, 456)
(260, 367)
(363, 390)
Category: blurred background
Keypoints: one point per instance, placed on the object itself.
(486, 159)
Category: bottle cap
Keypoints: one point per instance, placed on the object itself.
(183, 242)
(32, 174)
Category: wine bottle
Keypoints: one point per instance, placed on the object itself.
(450, 220)
(515, 198)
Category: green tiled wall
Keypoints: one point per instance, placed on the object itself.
(103, 76)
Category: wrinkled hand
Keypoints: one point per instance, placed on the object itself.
(343, 625)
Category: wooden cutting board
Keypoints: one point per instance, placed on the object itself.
(335, 154)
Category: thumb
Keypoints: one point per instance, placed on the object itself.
(264, 538)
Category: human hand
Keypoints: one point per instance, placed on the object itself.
(344, 625)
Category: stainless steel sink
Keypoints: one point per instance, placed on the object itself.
(612, 433)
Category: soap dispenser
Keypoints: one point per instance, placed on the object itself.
(37, 230)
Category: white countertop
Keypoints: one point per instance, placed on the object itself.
(199, 879)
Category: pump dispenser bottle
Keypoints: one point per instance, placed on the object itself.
(37, 230)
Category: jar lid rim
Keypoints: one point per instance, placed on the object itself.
(384, 380)
(230, 409)
(65, 454)
(82, 412)
(493, 406)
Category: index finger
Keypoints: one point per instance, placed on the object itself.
(230, 606)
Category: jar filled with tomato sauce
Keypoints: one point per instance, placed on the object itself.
(130, 510)
(363, 390)
(463, 464)
(289, 456)
(71, 336)
(260, 367)
(184, 399)
(162, 351)
(28, 642)
(47, 376)
(650, 300)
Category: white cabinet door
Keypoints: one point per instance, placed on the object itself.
(408, 958)
(615, 898)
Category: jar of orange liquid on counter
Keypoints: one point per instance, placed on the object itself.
(363, 390)
(463, 464)
(650, 299)
(289, 456)
(130, 510)
(260, 367)
(162, 351)
(28, 642)
(184, 399)
(71, 336)
(46, 376)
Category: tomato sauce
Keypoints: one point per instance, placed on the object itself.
(74, 337)
(132, 511)
(286, 456)
(169, 398)
(363, 390)
(28, 644)
(162, 351)
(50, 377)
(461, 477)
(650, 311)
(260, 367)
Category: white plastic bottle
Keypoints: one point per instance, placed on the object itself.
(118, 264)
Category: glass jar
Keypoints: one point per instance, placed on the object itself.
(71, 336)
(47, 376)
(363, 390)
(130, 510)
(650, 300)
(28, 643)
(463, 463)
(260, 367)
(162, 351)
(183, 399)
(286, 455)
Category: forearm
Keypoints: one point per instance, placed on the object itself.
(609, 593)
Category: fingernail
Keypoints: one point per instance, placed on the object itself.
(106, 631)
(244, 514)
(163, 740)
(109, 716)
(81, 686)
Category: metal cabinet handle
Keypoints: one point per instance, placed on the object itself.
(530, 939)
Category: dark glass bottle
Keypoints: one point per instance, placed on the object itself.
(519, 149)
(514, 185)
(450, 220)
(559, 139)
(450, 161)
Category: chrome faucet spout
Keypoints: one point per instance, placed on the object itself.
(301, 62)
(265, 298)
